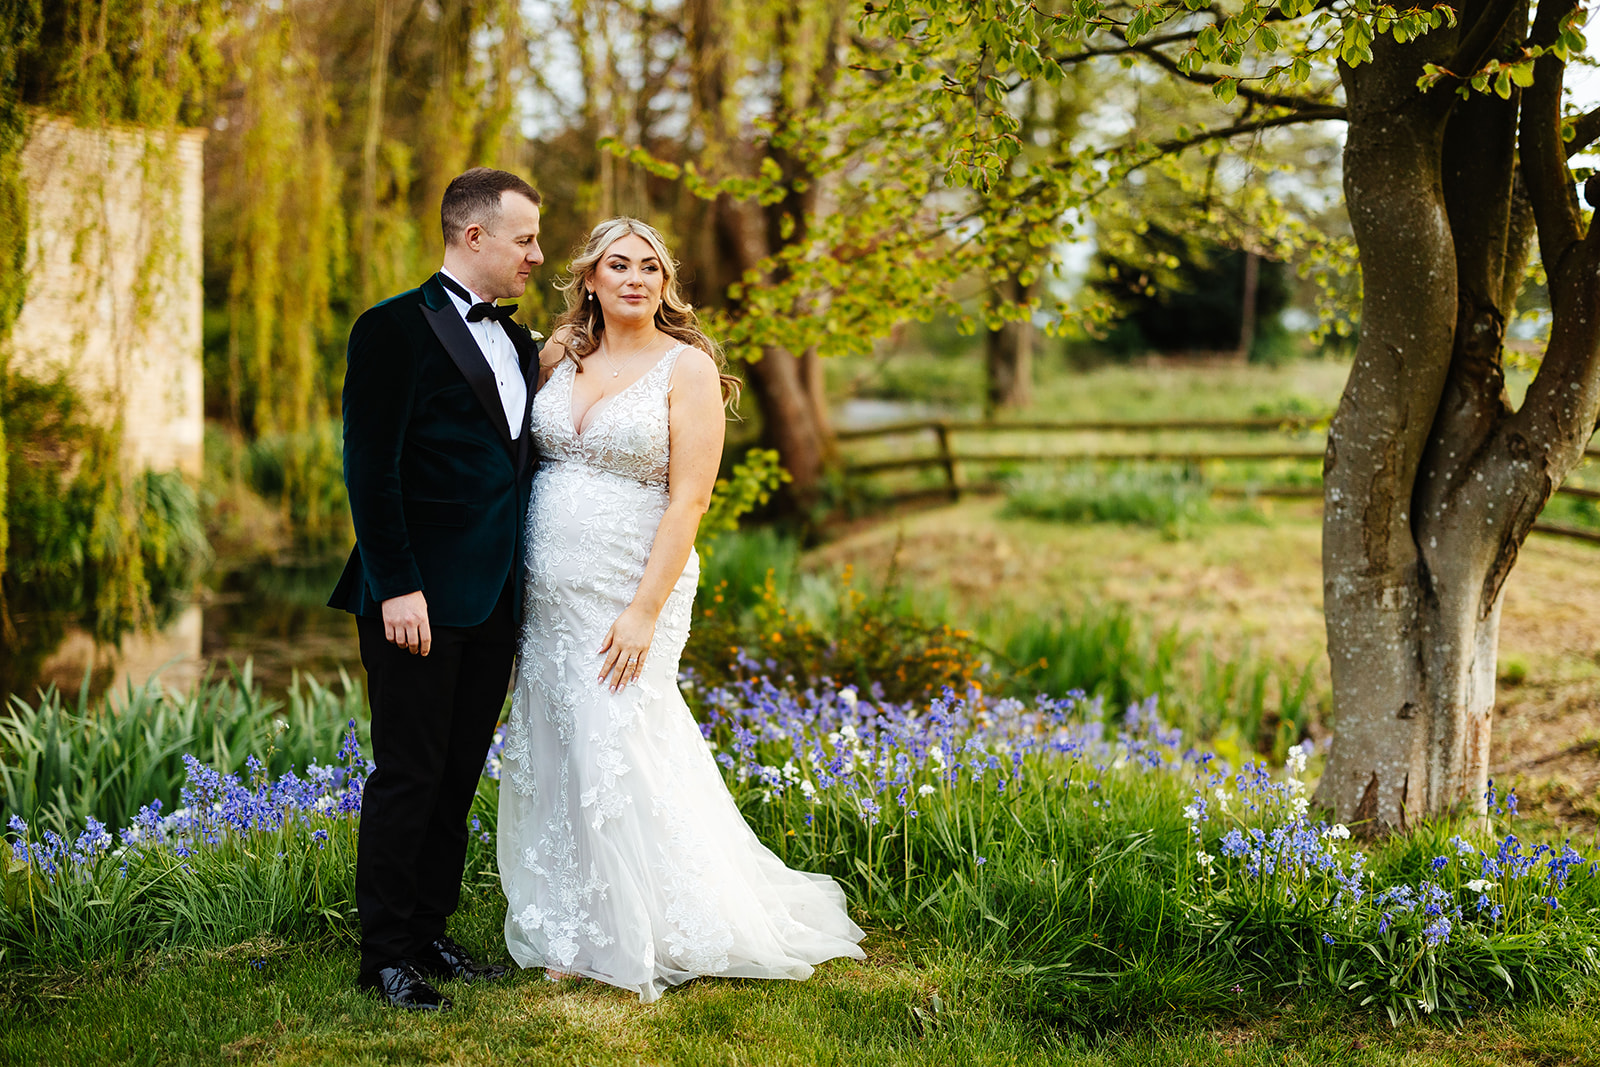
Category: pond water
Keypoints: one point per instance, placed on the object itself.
(278, 618)
(273, 616)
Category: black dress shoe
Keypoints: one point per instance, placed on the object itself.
(400, 986)
(444, 960)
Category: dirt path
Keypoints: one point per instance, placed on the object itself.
(1258, 584)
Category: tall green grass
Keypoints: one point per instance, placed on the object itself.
(64, 761)
(1243, 702)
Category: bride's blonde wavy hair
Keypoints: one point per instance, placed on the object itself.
(675, 317)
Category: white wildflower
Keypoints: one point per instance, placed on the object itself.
(937, 755)
(1222, 798)
(848, 698)
(1296, 763)
(1204, 858)
(1300, 805)
(1192, 812)
(807, 789)
(1480, 885)
(925, 790)
(1339, 831)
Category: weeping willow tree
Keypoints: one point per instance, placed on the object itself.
(337, 128)
(87, 538)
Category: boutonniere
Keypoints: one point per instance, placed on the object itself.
(535, 334)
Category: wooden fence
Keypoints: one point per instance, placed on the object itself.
(953, 462)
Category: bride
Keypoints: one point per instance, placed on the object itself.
(622, 854)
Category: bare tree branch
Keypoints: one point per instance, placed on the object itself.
(1543, 153)
(1313, 113)
(1126, 49)
(1585, 131)
(1167, 63)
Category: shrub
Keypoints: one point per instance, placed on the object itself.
(879, 640)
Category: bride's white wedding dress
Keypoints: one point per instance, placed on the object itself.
(622, 854)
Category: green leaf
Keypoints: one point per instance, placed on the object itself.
(1502, 85)
(1226, 89)
(1522, 74)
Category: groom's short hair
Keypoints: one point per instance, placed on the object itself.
(474, 196)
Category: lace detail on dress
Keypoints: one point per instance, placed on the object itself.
(622, 855)
(627, 436)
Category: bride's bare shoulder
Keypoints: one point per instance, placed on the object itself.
(694, 362)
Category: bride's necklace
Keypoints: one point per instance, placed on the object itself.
(615, 368)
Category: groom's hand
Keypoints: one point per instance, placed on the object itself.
(405, 623)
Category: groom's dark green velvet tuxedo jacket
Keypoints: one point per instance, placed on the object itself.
(438, 488)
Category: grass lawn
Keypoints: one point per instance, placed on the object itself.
(271, 1003)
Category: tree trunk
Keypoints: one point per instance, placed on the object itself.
(1008, 356)
(789, 419)
(1247, 304)
(1432, 481)
(1373, 598)
(742, 233)
(787, 387)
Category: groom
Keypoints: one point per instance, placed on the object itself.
(438, 466)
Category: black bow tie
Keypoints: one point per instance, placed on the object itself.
(499, 313)
(479, 310)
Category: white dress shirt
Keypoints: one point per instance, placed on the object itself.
(500, 353)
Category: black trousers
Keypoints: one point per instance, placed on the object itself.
(433, 718)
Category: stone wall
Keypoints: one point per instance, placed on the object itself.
(114, 301)
(113, 281)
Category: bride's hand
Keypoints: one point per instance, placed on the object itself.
(625, 646)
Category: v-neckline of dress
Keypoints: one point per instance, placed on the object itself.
(572, 381)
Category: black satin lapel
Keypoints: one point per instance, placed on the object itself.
(468, 357)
